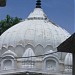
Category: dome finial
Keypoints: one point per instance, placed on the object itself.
(38, 4)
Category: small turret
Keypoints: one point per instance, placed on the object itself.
(38, 4)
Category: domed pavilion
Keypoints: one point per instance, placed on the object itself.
(30, 47)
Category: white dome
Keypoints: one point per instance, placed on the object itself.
(51, 52)
(68, 59)
(9, 52)
(36, 29)
(28, 53)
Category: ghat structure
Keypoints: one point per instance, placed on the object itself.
(34, 36)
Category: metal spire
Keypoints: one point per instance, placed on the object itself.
(38, 4)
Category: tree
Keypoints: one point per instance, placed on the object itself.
(2, 3)
(8, 22)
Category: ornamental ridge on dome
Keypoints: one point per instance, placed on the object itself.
(38, 4)
(38, 13)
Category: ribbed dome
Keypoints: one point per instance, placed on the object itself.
(68, 59)
(36, 29)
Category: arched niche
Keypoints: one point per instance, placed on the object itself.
(11, 48)
(39, 50)
(51, 63)
(47, 48)
(8, 60)
(7, 63)
(19, 50)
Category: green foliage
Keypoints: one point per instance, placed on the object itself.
(8, 22)
(2, 3)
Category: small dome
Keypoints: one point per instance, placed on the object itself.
(51, 52)
(9, 52)
(68, 59)
(28, 53)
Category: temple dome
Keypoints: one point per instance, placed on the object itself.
(68, 59)
(36, 29)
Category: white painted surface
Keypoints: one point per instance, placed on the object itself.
(35, 36)
(36, 29)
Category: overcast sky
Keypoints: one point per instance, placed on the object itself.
(60, 12)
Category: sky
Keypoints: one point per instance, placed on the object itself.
(60, 12)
